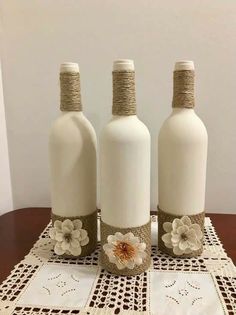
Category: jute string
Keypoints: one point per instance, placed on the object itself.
(167, 217)
(124, 100)
(70, 91)
(142, 232)
(89, 224)
(183, 96)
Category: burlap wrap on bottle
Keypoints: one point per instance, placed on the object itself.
(142, 232)
(89, 223)
(167, 217)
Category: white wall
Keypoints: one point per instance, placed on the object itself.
(38, 35)
(6, 202)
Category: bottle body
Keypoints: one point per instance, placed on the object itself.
(72, 146)
(125, 172)
(182, 160)
(125, 181)
(72, 153)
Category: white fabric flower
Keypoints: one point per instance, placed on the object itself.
(183, 236)
(126, 251)
(69, 237)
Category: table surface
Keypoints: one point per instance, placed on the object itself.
(20, 229)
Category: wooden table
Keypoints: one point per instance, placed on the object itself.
(20, 229)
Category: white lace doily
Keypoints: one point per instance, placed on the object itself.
(44, 283)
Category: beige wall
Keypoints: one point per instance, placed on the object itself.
(38, 35)
(6, 202)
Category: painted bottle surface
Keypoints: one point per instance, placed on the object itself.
(182, 156)
(125, 181)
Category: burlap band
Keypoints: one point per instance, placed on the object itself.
(142, 232)
(89, 224)
(124, 100)
(183, 96)
(70, 91)
(167, 217)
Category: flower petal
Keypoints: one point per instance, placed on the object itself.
(138, 261)
(182, 229)
(197, 230)
(52, 233)
(65, 245)
(83, 234)
(59, 237)
(186, 220)
(130, 264)
(166, 238)
(77, 224)
(75, 243)
(75, 251)
(141, 246)
(108, 247)
(183, 245)
(67, 225)
(111, 238)
(175, 237)
(167, 226)
(75, 234)
(58, 249)
(119, 265)
(176, 223)
(129, 237)
(119, 236)
(84, 241)
(177, 251)
(57, 224)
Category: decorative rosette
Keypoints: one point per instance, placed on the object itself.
(69, 237)
(182, 236)
(125, 250)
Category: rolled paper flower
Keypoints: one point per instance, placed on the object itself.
(125, 250)
(69, 237)
(182, 236)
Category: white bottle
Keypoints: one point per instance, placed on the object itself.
(125, 170)
(72, 148)
(182, 156)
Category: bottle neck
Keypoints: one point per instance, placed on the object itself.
(124, 99)
(183, 95)
(70, 92)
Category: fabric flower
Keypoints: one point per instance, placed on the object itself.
(69, 237)
(183, 236)
(126, 251)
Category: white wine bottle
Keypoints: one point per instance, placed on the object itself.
(72, 150)
(182, 161)
(125, 180)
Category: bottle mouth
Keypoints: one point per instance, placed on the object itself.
(184, 65)
(69, 67)
(123, 64)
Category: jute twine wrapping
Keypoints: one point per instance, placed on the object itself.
(167, 217)
(142, 232)
(90, 225)
(124, 100)
(70, 91)
(183, 96)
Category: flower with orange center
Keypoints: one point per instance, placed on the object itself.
(126, 251)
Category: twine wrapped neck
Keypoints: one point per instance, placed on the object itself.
(70, 91)
(124, 100)
(183, 96)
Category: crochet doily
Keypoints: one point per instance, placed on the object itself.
(44, 283)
